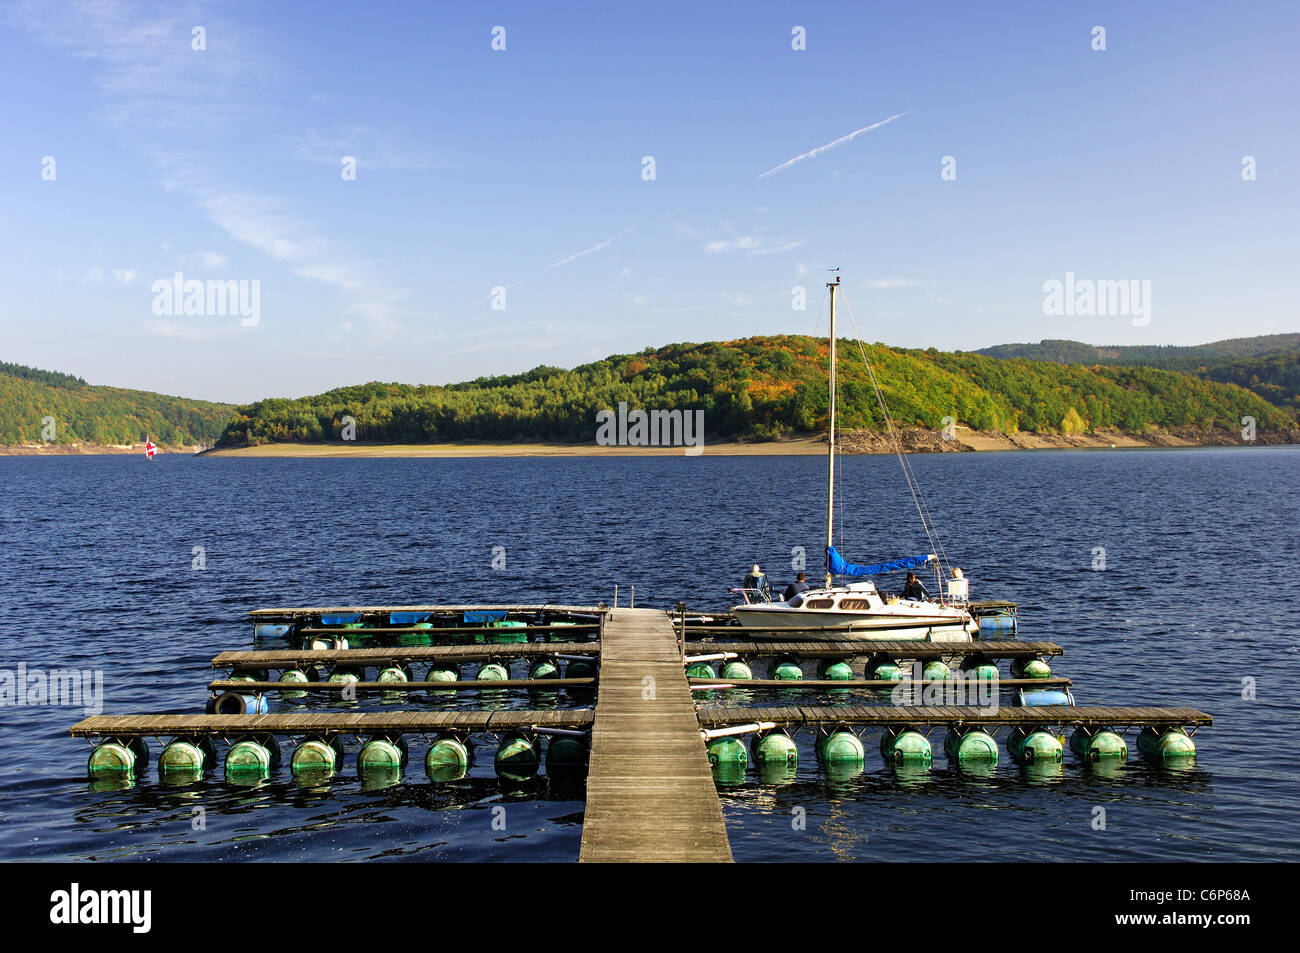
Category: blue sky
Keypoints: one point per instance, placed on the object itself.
(523, 169)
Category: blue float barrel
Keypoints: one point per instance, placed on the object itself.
(997, 624)
(1044, 697)
(233, 703)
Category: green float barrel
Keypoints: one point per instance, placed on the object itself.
(1030, 668)
(249, 758)
(320, 643)
(315, 761)
(727, 751)
(565, 751)
(111, 758)
(979, 666)
(448, 758)
(580, 668)
(1166, 745)
(1107, 745)
(775, 748)
(700, 670)
(381, 755)
(736, 671)
(835, 671)
(1042, 747)
(544, 669)
(492, 672)
(840, 747)
(289, 676)
(440, 672)
(787, 670)
(888, 672)
(909, 747)
(1034, 746)
(516, 757)
(183, 758)
(342, 675)
(936, 671)
(970, 747)
(392, 674)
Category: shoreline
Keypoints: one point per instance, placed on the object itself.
(912, 440)
(91, 449)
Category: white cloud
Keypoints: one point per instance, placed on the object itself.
(372, 148)
(171, 102)
(750, 245)
(124, 276)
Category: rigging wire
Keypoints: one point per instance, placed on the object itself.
(918, 497)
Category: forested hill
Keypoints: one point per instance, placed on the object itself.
(82, 413)
(1170, 357)
(761, 388)
(1268, 365)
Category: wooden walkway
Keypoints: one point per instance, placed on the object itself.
(1003, 648)
(650, 790)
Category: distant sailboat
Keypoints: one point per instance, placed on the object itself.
(857, 606)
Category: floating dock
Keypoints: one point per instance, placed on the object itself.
(648, 725)
(650, 790)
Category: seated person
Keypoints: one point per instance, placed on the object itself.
(799, 585)
(914, 589)
(757, 579)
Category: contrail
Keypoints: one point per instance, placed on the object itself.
(587, 251)
(831, 145)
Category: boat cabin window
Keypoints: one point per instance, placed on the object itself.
(820, 603)
(854, 604)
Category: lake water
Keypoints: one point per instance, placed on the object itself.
(1199, 595)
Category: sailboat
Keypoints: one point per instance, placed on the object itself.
(858, 607)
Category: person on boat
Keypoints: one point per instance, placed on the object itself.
(914, 589)
(757, 579)
(799, 585)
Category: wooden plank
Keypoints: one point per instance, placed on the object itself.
(890, 716)
(299, 722)
(299, 611)
(646, 750)
(859, 683)
(458, 630)
(533, 684)
(295, 658)
(1001, 648)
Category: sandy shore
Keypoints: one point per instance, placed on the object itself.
(914, 441)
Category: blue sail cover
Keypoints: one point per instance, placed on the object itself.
(836, 565)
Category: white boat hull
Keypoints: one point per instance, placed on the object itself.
(857, 626)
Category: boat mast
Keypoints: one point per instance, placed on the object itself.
(830, 456)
